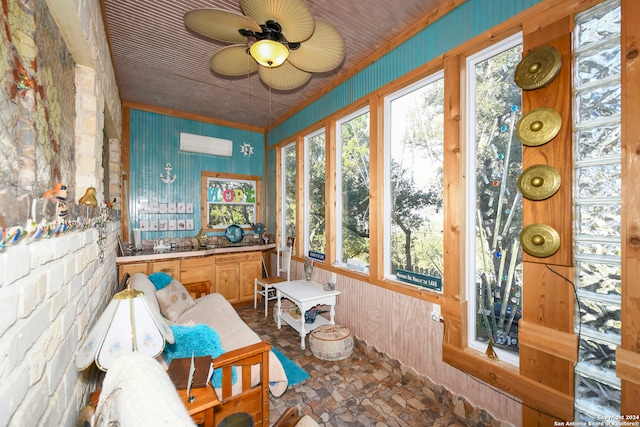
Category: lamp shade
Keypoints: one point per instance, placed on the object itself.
(127, 325)
(269, 53)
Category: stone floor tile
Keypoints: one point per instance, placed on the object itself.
(366, 389)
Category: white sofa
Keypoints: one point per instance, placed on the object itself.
(216, 312)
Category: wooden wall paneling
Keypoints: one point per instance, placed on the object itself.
(504, 376)
(376, 187)
(561, 344)
(300, 196)
(631, 206)
(531, 417)
(554, 211)
(279, 196)
(454, 206)
(125, 152)
(191, 116)
(548, 369)
(330, 196)
(548, 300)
(371, 312)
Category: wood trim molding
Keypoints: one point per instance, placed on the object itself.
(503, 376)
(190, 116)
(630, 222)
(551, 341)
(628, 365)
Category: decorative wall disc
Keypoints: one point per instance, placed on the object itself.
(540, 240)
(539, 182)
(538, 126)
(538, 68)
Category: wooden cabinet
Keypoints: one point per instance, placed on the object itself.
(231, 275)
(195, 270)
(139, 267)
(250, 268)
(172, 268)
(226, 279)
(235, 275)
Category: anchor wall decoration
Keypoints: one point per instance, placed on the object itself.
(166, 177)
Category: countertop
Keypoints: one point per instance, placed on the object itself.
(189, 252)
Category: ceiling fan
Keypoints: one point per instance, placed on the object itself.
(280, 39)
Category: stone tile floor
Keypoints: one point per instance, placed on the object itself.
(366, 389)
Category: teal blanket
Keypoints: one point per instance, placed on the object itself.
(198, 340)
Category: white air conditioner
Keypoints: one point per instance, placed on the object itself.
(191, 143)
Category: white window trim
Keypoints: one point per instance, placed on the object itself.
(307, 201)
(387, 162)
(338, 125)
(471, 195)
(283, 191)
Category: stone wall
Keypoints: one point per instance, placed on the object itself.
(53, 289)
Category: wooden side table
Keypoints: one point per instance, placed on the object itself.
(201, 409)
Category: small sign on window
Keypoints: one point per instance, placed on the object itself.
(429, 282)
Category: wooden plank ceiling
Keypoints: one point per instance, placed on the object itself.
(159, 62)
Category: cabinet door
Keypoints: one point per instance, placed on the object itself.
(172, 268)
(141, 267)
(193, 270)
(226, 280)
(250, 268)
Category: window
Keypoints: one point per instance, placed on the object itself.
(597, 208)
(229, 199)
(494, 212)
(288, 192)
(414, 126)
(352, 210)
(315, 178)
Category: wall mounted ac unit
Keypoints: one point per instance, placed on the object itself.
(191, 143)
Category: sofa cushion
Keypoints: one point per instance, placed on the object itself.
(174, 299)
(141, 282)
(215, 311)
(160, 279)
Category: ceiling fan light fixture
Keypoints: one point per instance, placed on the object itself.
(269, 53)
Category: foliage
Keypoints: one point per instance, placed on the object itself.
(417, 180)
(498, 202)
(317, 192)
(355, 188)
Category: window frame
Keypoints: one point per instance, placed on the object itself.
(405, 90)
(307, 201)
(470, 171)
(283, 188)
(338, 185)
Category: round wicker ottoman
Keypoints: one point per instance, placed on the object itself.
(331, 342)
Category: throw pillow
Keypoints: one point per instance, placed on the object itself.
(160, 279)
(141, 282)
(174, 299)
(198, 340)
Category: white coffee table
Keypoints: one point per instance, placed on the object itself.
(305, 295)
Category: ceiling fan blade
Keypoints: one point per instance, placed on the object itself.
(284, 77)
(294, 16)
(323, 52)
(233, 61)
(219, 24)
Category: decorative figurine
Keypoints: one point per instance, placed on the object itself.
(89, 198)
(202, 238)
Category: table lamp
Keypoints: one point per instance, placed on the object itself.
(127, 325)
